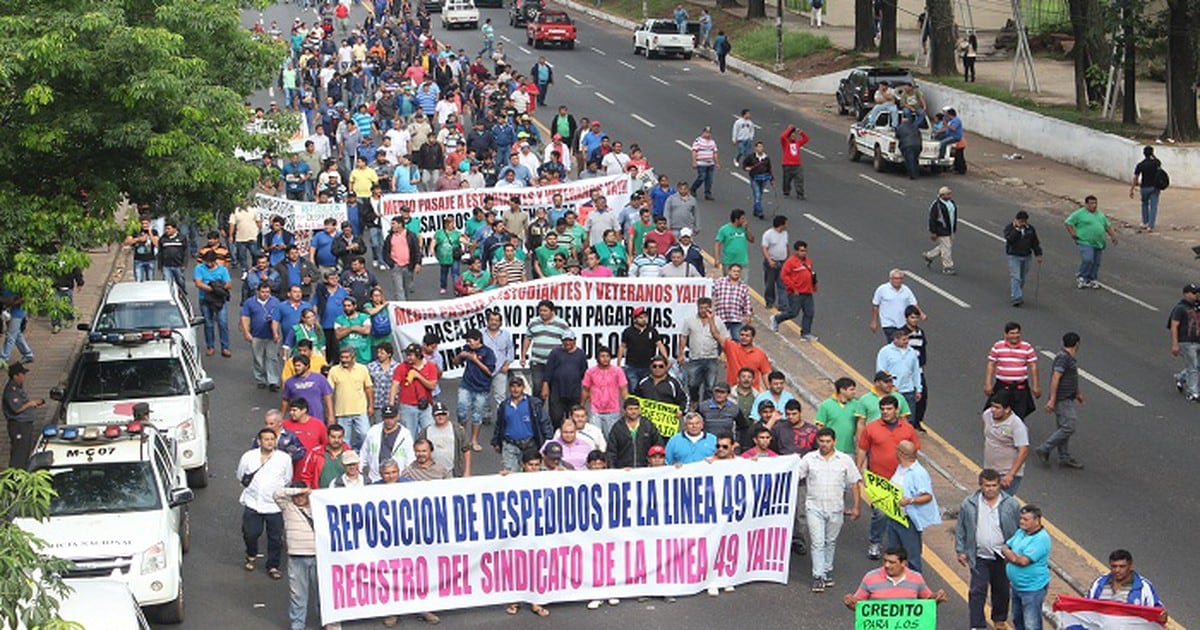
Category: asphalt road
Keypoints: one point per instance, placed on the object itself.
(1131, 444)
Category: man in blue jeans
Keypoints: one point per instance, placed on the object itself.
(705, 161)
(1088, 226)
(758, 167)
(1021, 246)
(1028, 553)
(986, 519)
(213, 281)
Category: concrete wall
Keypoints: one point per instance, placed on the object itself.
(1091, 150)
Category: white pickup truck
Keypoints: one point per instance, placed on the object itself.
(457, 13)
(875, 136)
(662, 37)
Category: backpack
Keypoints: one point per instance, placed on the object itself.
(1162, 181)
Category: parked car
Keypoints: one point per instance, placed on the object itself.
(874, 136)
(551, 27)
(662, 37)
(457, 13)
(522, 12)
(856, 92)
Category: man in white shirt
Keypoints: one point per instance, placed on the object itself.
(889, 302)
(263, 471)
(829, 472)
(614, 163)
(775, 245)
(401, 138)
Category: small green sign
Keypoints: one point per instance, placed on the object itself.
(896, 614)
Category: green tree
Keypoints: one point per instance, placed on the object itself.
(105, 101)
(30, 586)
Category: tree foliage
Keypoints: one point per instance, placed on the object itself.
(30, 586)
(104, 101)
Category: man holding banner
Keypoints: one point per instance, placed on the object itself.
(920, 506)
(520, 425)
(894, 580)
(630, 440)
(828, 472)
(876, 452)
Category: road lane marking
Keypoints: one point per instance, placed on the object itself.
(1098, 382)
(738, 175)
(573, 79)
(659, 80)
(683, 144)
(879, 183)
(505, 38)
(836, 232)
(598, 51)
(811, 152)
(524, 50)
(709, 103)
(627, 64)
(936, 289)
(991, 235)
(642, 120)
(1128, 297)
(603, 98)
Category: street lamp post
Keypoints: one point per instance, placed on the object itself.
(778, 35)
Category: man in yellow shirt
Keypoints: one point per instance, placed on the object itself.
(362, 178)
(353, 397)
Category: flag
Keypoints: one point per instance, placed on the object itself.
(1077, 613)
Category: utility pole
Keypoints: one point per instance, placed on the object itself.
(645, 10)
(778, 35)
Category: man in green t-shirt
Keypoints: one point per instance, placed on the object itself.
(475, 278)
(1089, 227)
(543, 256)
(639, 229)
(732, 246)
(842, 413)
(353, 330)
(869, 402)
(612, 254)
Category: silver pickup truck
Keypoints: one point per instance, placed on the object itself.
(662, 37)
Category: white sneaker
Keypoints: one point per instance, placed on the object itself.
(613, 601)
(728, 589)
(594, 604)
(713, 591)
(808, 337)
(772, 324)
(1093, 285)
(1080, 283)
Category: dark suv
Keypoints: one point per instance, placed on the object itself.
(857, 91)
(522, 12)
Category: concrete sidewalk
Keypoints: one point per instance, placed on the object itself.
(55, 354)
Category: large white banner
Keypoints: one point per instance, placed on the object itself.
(432, 208)
(551, 537)
(597, 309)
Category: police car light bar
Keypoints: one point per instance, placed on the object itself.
(112, 431)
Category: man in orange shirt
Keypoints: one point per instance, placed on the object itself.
(876, 452)
(744, 354)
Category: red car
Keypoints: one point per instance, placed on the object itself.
(550, 27)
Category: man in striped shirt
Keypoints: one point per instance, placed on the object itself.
(543, 335)
(1012, 366)
(509, 266)
(705, 160)
(731, 300)
(894, 580)
(649, 264)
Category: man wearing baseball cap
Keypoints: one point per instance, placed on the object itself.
(1184, 324)
(386, 441)
(18, 412)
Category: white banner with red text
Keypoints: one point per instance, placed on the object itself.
(542, 538)
(431, 209)
(597, 309)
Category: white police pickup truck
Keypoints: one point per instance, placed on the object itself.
(457, 13)
(119, 369)
(662, 37)
(120, 511)
(875, 136)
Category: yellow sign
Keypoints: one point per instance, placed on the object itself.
(665, 416)
(885, 496)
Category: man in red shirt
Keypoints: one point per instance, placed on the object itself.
(876, 452)
(793, 168)
(800, 281)
(744, 354)
(312, 435)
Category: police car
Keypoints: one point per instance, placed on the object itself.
(117, 370)
(145, 306)
(120, 511)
